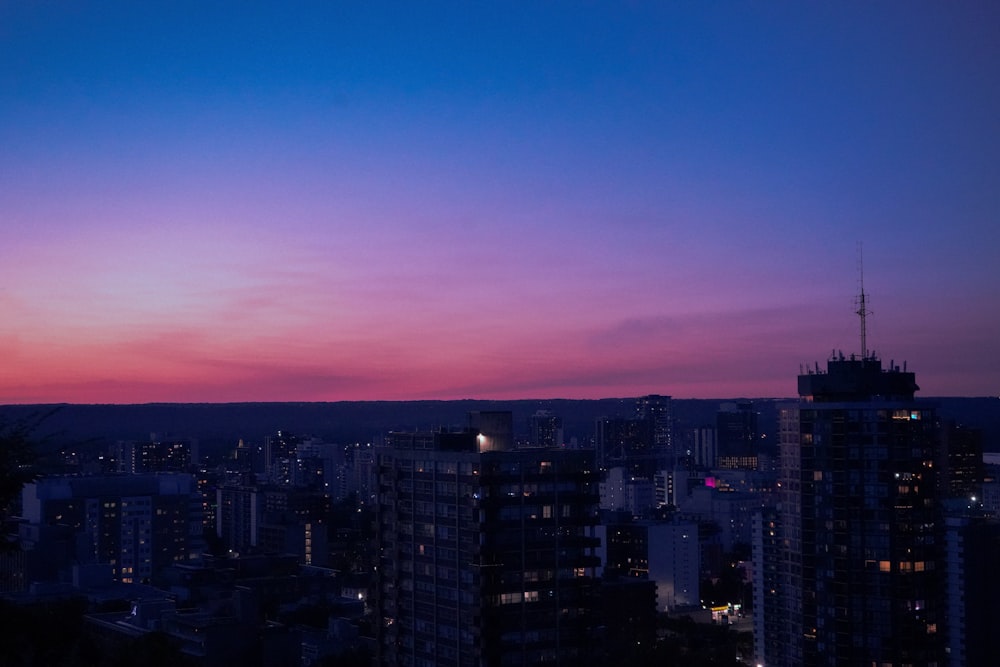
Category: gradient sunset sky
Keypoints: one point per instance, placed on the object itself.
(353, 201)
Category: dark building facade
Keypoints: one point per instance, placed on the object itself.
(625, 442)
(545, 429)
(960, 462)
(137, 524)
(643, 444)
(972, 545)
(737, 435)
(657, 411)
(858, 535)
(664, 552)
(486, 556)
(271, 518)
(137, 457)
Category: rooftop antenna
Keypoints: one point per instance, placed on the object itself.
(862, 310)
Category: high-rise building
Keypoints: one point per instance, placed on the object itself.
(960, 462)
(154, 455)
(857, 579)
(658, 412)
(624, 442)
(771, 634)
(730, 511)
(273, 518)
(546, 429)
(704, 447)
(486, 555)
(972, 549)
(620, 492)
(671, 486)
(665, 552)
(279, 456)
(137, 524)
(643, 443)
(239, 508)
(737, 435)
(359, 473)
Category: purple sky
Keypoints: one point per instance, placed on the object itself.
(338, 201)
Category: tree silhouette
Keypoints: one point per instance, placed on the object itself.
(17, 466)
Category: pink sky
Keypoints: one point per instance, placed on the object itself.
(309, 207)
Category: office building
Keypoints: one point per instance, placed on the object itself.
(486, 555)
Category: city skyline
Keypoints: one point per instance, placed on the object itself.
(394, 202)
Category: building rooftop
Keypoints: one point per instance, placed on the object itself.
(856, 379)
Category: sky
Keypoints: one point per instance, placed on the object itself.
(220, 202)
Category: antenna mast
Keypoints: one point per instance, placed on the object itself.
(863, 311)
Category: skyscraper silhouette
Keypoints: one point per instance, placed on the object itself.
(854, 546)
(487, 555)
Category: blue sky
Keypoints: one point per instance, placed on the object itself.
(395, 200)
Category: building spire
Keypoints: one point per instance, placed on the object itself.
(862, 302)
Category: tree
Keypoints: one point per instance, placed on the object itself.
(17, 465)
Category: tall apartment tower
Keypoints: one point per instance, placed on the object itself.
(855, 543)
(546, 429)
(737, 435)
(960, 462)
(644, 443)
(658, 412)
(487, 556)
(972, 547)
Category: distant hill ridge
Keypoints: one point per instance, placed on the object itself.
(361, 421)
